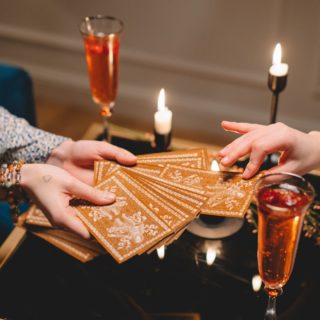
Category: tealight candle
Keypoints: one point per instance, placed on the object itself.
(163, 117)
(278, 69)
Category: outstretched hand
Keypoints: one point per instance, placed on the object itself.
(300, 152)
(77, 157)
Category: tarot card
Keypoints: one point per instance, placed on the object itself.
(125, 227)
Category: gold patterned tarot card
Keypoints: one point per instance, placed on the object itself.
(168, 212)
(153, 170)
(193, 153)
(96, 166)
(81, 253)
(192, 162)
(36, 217)
(229, 195)
(168, 240)
(106, 168)
(191, 206)
(101, 170)
(182, 206)
(172, 214)
(71, 237)
(167, 182)
(165, 185)
(125, 227)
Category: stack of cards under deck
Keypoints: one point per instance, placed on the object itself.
(158, 198)
(83, 250)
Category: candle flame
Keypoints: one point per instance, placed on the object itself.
(256, 283)
(277, 53)
(215, 165)
(211, 256)
(161, 252)
(162, 100)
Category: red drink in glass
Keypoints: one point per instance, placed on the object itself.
(101, 35)
(283, 199)
(281, 213)
(102, 55)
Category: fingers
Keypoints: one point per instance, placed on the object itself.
(235, 150)
(74, 224)
(239, 127)
(108, 151)
(66, 218)
(256, 159)
(261, 140)
(230, 147)
(86, 192)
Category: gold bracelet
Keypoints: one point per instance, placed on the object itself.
(10, 178)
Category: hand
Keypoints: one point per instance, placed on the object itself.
(51, 188)
(300, 152)
(78, 157)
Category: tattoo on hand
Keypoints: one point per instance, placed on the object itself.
(46, 178)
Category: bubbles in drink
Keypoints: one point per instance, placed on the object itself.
(281, 212)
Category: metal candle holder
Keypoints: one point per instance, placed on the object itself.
(162, 141)
(276, 84)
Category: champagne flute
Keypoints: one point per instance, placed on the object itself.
(101, 35)
(283, 200)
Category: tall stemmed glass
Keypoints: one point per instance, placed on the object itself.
(101, 35)
(283, 200)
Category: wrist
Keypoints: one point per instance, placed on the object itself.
(27, 174)
(60, 153)
(315, 138)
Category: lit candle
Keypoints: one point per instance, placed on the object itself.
(278, 68)
(163, 117)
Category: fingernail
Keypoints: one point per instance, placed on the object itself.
(225, 160)
(246, 174)
(109, 196)
(129, 155)
(132, 157)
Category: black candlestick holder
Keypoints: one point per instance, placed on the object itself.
(162, 141)
(276, 84)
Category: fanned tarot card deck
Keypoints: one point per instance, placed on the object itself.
(155, 201)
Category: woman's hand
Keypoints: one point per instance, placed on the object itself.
(300, 152)
(78, 157)
(51, 188)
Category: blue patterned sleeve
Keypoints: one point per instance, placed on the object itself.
(21, 141)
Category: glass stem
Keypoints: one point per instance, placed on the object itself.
(105, 113)
(271, 309)
(106, 129)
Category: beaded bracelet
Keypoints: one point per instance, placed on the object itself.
(10, 178)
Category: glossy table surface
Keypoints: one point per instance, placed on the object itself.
(41, 282)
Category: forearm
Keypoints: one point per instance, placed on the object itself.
(19, 140)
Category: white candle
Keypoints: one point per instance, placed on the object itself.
(163, 117)
(278, 68)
